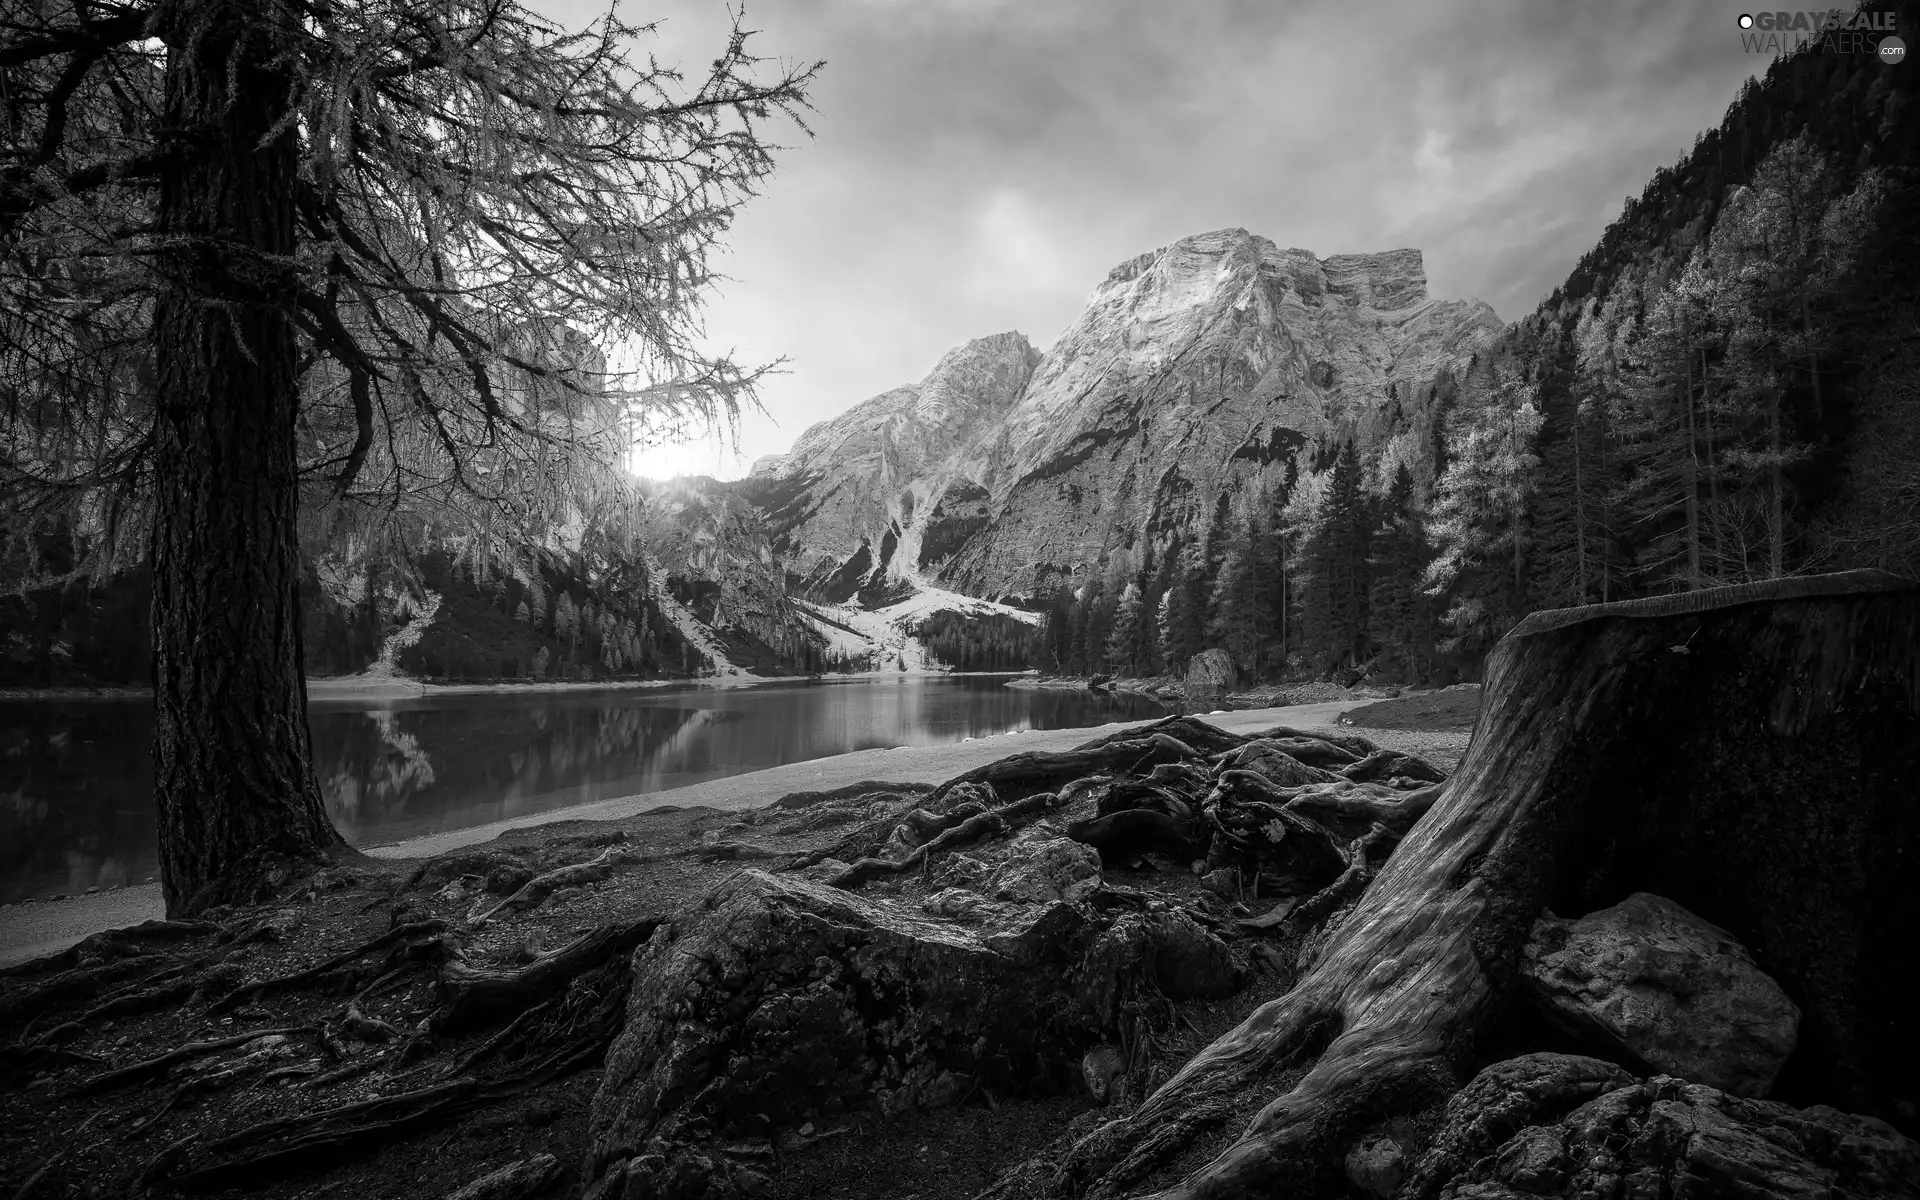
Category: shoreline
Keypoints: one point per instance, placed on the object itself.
(31, 929)
(400, 687)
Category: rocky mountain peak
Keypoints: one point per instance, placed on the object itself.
(1192, 368)
(851, 485)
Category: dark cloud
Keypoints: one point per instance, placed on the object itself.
(980, 164)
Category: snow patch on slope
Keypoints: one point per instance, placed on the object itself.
(885, 635)
(889, 646)
(841, 643)
(929, 600)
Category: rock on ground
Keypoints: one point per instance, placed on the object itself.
(780, 1000)
(1648, 978)
(1211, 671)
(1555, 1125)
(515, 1181)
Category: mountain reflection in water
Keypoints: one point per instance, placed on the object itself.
(76, 808)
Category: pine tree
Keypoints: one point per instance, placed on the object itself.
(1346, 550)
(1780, 245)
(1057, 638)
(1242, 600)
(1303, 523)
(1219, 535)
(1282, 536)
(1185, 633)
(1264, 568)
(1478, 521)
(1091, 630)
(1123, 644)
(1392, 572)
(566, 621)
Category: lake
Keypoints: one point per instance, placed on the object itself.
(76, 808)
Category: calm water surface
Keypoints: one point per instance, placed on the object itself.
(76, 808)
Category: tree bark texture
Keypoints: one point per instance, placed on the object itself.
(1751, 752)
(239, 808)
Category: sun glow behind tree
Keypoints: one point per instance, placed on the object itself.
(337, 269)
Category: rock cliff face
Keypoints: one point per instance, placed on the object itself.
(1195, 367)
(708, 547)
(840, 503)
(1192, 369)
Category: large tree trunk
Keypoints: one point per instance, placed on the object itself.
(1751, 752)
(238, 806)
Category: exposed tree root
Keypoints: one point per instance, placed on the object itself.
(567, 1033)
(121, 1076)
(1044, 770)
(474, 996)
(1603, 763)
(735, 851)
(543, 885)
(21, 1006)
(970, 829)
(111, 943)
(73, 1141)
(411, 932)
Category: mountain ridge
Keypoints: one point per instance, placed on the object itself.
(1193, 367)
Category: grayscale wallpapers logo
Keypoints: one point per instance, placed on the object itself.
(1832, 32)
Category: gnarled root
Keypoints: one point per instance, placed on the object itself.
(1603, 763)
(972, 828)
(476, 996)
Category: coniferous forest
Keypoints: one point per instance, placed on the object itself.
(1724, 390)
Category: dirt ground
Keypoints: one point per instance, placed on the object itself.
(1454, 708)
(239, 1086)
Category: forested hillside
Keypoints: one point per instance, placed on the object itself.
(1725, 389)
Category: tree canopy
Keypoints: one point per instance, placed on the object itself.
(484, 205)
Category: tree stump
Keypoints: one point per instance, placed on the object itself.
(1752, 753)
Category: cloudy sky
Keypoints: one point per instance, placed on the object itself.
(978, 165)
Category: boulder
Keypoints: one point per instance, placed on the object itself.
(1376, 1165)
(1041, 866)
(1648, 979)
(1211, 671)
(1551, 1125)
(780, 1000)
(1104, 1069)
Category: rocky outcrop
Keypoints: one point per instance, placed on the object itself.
(1648, 979)
(1559, 1125)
